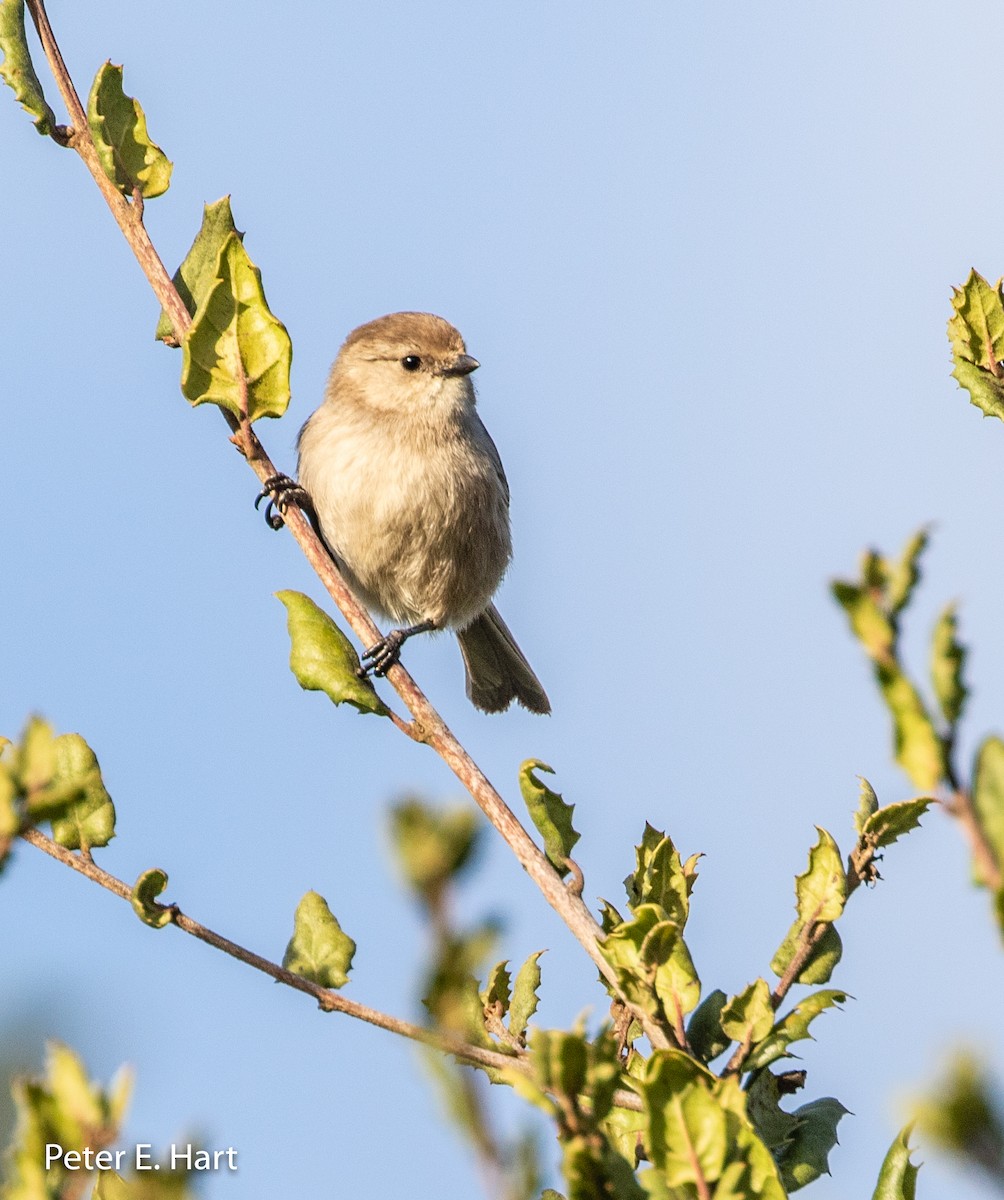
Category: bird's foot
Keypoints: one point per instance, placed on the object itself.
(379, 658)
(281, 491)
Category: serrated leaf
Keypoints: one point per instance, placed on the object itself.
(17, 71)
(195, 276)
(867, 804)
(319, 950)
(869, 624)
(820, 891)
(763, 1104)
(660, 877)
(144, 895)
(749, 1016)
(236, 353)
(905, 575)
(497, 985)
(988, 798)
(90, 822)
(705, 1035)
(321, 657)
(118, 126)
(898, 1177)
(792, 1027)
(806, 1155)
(675, 977)
(948, 660)
(894, 820)
(524, 995)
(976, 334)
(918, 748)
(433, 844)
(36, 756)
(549, 813)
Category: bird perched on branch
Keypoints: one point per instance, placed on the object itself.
(407, 490)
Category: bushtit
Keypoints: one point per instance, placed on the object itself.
(408, 493)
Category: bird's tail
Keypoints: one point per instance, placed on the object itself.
(497, 672)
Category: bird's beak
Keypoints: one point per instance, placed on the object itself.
(463, 364)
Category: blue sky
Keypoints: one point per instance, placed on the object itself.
(704, 255)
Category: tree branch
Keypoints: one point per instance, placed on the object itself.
(429, 727)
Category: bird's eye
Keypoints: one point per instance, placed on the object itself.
(411, 362)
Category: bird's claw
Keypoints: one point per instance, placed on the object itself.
(280, 491)
(381, 656)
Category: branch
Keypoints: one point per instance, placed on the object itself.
(327, 999)
(988, 869)
(428, 726)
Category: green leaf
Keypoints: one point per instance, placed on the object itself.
(806, 1156)
(236, 353)
(551, 815)
(763, 1102)
(821, 890)
(948, 660)
(962, 1115)
(976, 334)
(17, 71)
(496, 989)
(433, 844)
(822, 960)
(894, 820)
(652, 963)
(905, 575)
(705, 1035)
(988, 798)
(197, 273)
(749, 1016)
(918, 748)
(660, 877)
(144, 895)
(129, 158)
(524, 995)
(321, 656)
(867, 804)
(869, 624)
(793, 1027)
(36, 756)
(898, 1177)
(319, 950)
(688, 1131)
(90, 822)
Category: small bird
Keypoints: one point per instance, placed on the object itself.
(408, 493)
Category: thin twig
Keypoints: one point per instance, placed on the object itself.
(329, 1000)
(429, 727)
(988, 869)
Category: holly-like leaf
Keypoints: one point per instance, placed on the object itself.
(551, 815)
(90, 821)
(144, 895)
(898, 1177)
(867, 804)
(319, 950)
(894, 820)
(948, 660)
(237, 353)
(806, 1155)
(321, 656)
(988, 798)
(918, 748)
(976, 334)
(524, 995)
(117, 123)
(869, 623)
(196, 275)
(821, 890)
(749, 1016)
(660, 877)
(17, 71)
(792, 1027)
(497, 987)
(905, 575)
(688, 1129)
